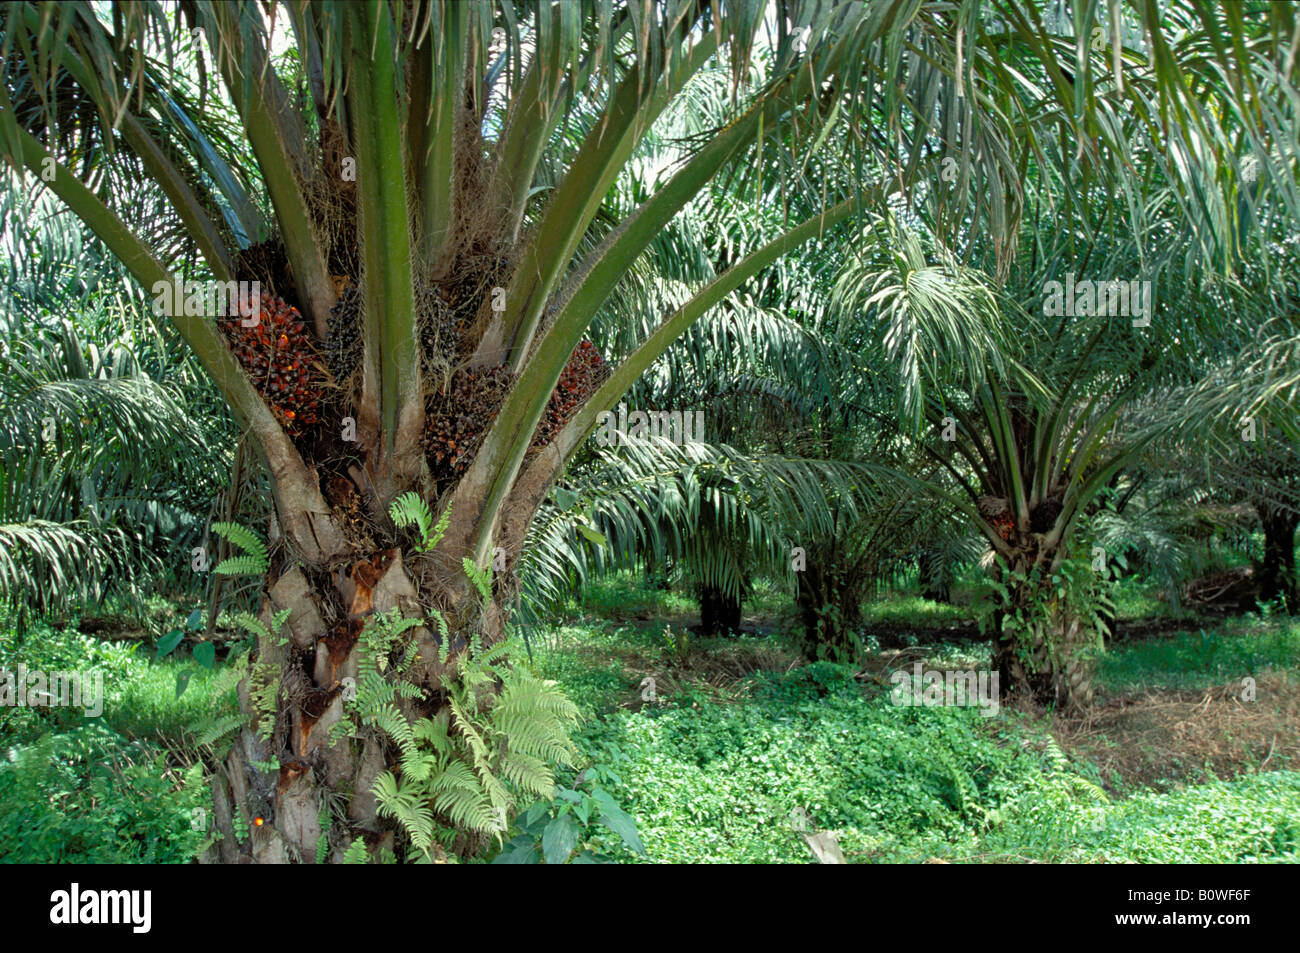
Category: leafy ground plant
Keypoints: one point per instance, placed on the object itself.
(575, 826)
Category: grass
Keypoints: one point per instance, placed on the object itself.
(1233, 649)
(140, 694)
(713, 775)
(909, 609)
(621, 596)
(1171, 765)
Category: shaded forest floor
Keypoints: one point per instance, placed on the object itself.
(1191, 752)
(1190, 711)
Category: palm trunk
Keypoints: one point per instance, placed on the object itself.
(1046, 662)
(1277, 578)
(719, 611)
(1044, 655)
(290, 791)
(830, 611)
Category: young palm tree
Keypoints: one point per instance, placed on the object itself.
(422, 184)
(1036, 416)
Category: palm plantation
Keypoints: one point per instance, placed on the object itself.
(831, 226)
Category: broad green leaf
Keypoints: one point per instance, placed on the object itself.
(559, 839)
(169, 642)
(536, 811)
(618, 821)
(205, 653)
(521, 850)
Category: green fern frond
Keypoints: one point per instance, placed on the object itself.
(403, 804)
(409, 509)
(394, 724)
(254, 562)
(218, 729)
(458, 795)
(433, 732)
(467, 728)
(536, 718)
(241, 566)
(482, 578)
(373, 692)
(421, 767)
(443, 629)
(356, 852)
(253, 624)
(496, 792)
(530, 774)
(263, 692)
(325, 818)
(467, 765)
(343, 728)
(444, 637)
(488, 658)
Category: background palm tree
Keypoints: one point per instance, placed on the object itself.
(110, 447)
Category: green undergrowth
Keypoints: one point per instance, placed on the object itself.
(1232, 649)
(739, 736)
(88, 795)
(712, 781)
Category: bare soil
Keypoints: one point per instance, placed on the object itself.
(1163, 737)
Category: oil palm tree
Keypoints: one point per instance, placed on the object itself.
(109, 453)
(107, 478)
(420, 185)
(1038, 416)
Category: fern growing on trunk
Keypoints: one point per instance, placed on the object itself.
(465, 768)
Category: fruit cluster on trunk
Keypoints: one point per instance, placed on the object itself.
(343, 349)
(457, 420)
(997, 512)
(585, 371)
(279, 355)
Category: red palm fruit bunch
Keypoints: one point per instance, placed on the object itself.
(1004, 525)
(997, 511)
(585, 372)
(457, 419)
(281, 360)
